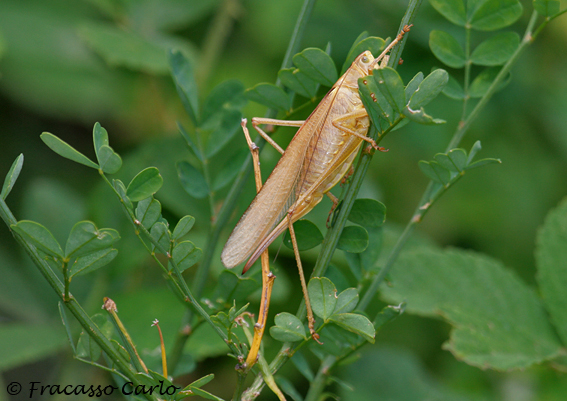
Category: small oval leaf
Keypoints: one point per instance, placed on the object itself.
(495, 14)
(347, 301)
(308, 235)
(288, 328)
(353, 239)
(110, 161)
(298, 82)
(356, 323)
(183, 226)
(429, 89)
(368, 213)
(93, 261)
(269, 95)
(484, 80)
(185, 255)
(192, 180)
(146, 183)
(65, 150)
(323, 296)
(12, 176)
(453, 10)
(148, 211)
(446, 48)
(317, 65)
(496, 50)
(40, 237)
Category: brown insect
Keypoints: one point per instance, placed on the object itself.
(319, 155)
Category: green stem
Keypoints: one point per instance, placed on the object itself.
(318, 384)
(455, 140)
(71, 304)
(331, 239)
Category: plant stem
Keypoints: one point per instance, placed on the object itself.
(318, 384)
(331, 239)
(71, 304)
(421, 209)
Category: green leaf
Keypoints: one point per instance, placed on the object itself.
(483, 81)
(300, 362)
(298, 82)
(496, 318)
(323, 296)
(420, 117)
(65, 150)
(269, 95)
(429, 89)
(453, 89)
(88, 348)
(228, 126)
(446, 48)
(353, 239)
(412, 86)
(378, 108)
(85, 238)
(551, 254)
(288, 328)
(12, 176)
(202, 381)
(495, 14)
(183, 227)
(92, 261)
(308, 235)
(185, 255)
(317, 65)
(435, 172)
(121, 189)
(455, 160)
(230, 170)
(110, 161)
(160, 233)
(183, 72)
(347, 301)
(205, 394)
(288, 388)
(361, 44)
(388, 314)
(474, 150)
(368, 213)
(192, 180)
(483, 162)
(355, 323)
(100, 137)
(232, 286)
(226, 96)
(392, 87)
(148, 211)
(547, 8)
(453, 10)
(124, 48)
(190, 142)
(146, 183)
(39, 236)
(496, 50)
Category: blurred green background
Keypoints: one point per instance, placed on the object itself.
(65, 64)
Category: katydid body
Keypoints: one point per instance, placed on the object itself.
(318, 157)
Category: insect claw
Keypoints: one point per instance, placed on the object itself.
(381, 149)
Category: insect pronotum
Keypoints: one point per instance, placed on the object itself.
(319, 155)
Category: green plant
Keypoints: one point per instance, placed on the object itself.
(485, 326)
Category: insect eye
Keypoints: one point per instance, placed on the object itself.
(364, 59)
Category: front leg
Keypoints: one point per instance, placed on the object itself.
(341, 123)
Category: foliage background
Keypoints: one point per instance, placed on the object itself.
(55, 78)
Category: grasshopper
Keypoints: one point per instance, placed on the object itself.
(318, 157)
